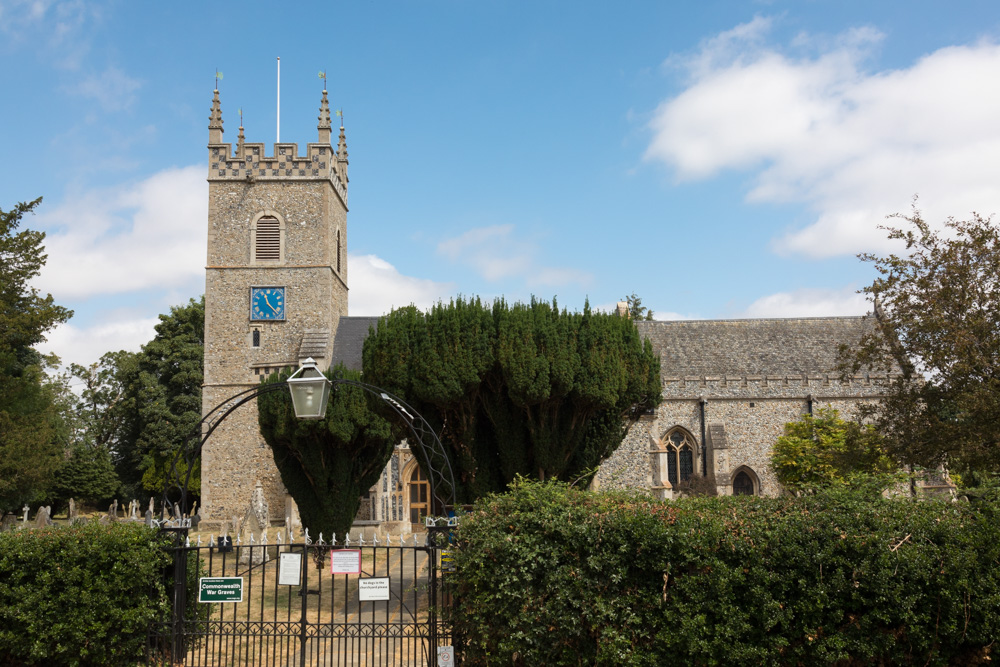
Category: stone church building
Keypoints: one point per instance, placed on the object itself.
(276, 293)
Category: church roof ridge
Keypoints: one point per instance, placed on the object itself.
(823, 318)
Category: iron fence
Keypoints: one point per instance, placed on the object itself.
(302, 604)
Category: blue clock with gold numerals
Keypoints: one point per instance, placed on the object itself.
(267, 303)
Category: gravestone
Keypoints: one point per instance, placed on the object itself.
(9, 522)
(42, 518)
(149, 518)
(72, 510)
(25, 508)
(253, 529)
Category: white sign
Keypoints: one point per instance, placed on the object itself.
(373, 588)
(290, 569)
(446, 655)
(345, 561)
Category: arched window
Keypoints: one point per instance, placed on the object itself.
(338, 251)
(267, 238)
(680, 456)
(742, 484)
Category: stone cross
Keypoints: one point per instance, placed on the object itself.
(133, 508)
(25, 508)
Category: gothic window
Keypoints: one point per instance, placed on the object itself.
(267, 239)
(742, 484)
(680, 456)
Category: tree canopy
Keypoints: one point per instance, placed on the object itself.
(821, 450)
(328, 464)
(31, 447)
(937, 306)
(522, 389)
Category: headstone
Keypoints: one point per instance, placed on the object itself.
(42, 518)
(9, 522)
(25, 508)
(133, 510)
(254, 526)
(72, 510)
(149, 518)
(151, 507)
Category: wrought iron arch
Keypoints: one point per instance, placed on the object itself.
(429, 451)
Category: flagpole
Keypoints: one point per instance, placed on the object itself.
(278, 130)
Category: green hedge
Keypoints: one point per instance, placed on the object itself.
(549, 575)
(81, 595)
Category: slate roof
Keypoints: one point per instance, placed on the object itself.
(702, 348)
(714, 348)
(350, 339)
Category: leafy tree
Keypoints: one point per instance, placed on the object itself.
(636, 310)
(88, 475)
(937, 309)
(327, 465)
(143, 407)
(168, 392)
(824, 450)
(523, 389)
(30, 448)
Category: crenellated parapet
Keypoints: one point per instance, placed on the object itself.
(777, 386)
(250, 162)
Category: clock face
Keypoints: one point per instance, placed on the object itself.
(267, 303)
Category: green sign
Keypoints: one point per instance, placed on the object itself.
(220, 589)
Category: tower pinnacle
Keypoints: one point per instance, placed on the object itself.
(342, 156)
(215, 121)
(324, 119)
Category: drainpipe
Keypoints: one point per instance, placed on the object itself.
(704, 451)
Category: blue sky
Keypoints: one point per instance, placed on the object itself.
(721, 159)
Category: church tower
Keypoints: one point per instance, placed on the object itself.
(275, 290)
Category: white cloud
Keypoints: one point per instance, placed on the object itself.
(851, 144)
(85, 346)
(496, 254)
(377, 287)
(60, 29)
(113, 89)
(150, 234)
(810, 302)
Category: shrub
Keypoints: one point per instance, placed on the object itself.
(82, 595)
(547, 574)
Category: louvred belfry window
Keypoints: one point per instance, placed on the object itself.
(268, 241)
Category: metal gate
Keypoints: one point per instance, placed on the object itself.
(303, 604)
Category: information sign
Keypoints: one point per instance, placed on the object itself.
(289, 569)
(373, 588)
(446, 655)
(345, 561)
(220, 589)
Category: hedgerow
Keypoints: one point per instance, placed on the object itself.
(80, 595)
(550, 575)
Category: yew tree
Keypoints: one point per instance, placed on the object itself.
(521, 389)
(937, 306)
(328, 464)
